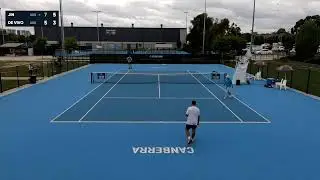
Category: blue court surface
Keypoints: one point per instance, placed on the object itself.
(68, 128)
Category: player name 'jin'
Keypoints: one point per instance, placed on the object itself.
(163, 150)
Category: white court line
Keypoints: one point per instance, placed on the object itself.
(217, 98)
(165, 98)
(159, 86)
(79, 100)
(102, 98)
(242, 102)
(157, 122)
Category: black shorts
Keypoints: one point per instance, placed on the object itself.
(193, 127)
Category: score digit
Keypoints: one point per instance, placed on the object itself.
(45, 14)
(45, 22)
(54, 14)
(54, 22)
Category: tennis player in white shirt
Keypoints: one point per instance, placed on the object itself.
(193, 120)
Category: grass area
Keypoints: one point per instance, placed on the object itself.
(297, 79)
(44, 69)
(6, 64)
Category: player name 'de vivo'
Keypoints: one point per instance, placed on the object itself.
(15, 22)
(162, 150)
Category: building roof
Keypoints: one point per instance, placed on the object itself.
(11, 45)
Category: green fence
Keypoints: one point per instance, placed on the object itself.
(13, 77)
(301, 78)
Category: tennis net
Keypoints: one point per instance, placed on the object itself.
(152, 78)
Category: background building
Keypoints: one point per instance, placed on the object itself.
(117, 38)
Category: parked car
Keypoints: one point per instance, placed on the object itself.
(264, 51)
(281, 48)
(293, 52)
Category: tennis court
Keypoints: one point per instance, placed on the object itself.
(157, 97)
(130, 125)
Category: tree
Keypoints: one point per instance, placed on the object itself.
(246, 36)
(301, 22)
(221, 28)
(308, 39)
(237, 43)
(70, 44)
(196, 32)
(31, 38)
(258, 40)
(227, 44)
(12, 38)
(288, 40)
(21, 39)
(40, 44)
(215, 29)
(234, 30)
(281, 31)
(270, 39)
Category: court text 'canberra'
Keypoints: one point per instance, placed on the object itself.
(163, 150)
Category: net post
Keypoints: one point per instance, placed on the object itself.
(91, 74)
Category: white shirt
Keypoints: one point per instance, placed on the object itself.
(129, 59)
(193, 113)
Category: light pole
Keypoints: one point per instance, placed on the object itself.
(62, 28)
(97, 24)
(204, 25)
(252, 28)
(186, 25)
(2, 27)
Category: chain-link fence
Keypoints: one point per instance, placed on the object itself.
(13, 77)
(305, 79)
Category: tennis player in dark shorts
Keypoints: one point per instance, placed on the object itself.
(129, 59)
(193, 119)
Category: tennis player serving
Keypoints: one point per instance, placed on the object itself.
(229, 85)
(129, 59)
(193, 120)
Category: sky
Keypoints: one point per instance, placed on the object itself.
(270, 14)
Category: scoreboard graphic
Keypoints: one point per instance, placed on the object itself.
(32, 18)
